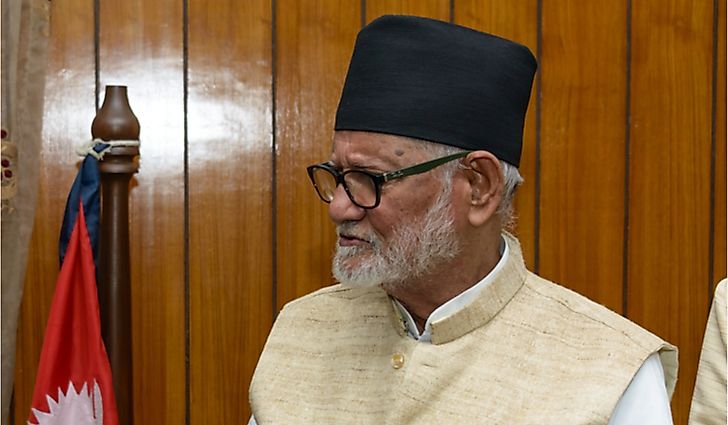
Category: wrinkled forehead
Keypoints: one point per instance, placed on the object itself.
(358, 147)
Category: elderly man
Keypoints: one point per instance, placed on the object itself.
(436, 319)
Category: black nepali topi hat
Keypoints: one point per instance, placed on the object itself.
(431, 80)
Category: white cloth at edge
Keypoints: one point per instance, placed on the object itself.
(645, 401)
(710, 400)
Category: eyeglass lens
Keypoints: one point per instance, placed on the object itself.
(360, 186)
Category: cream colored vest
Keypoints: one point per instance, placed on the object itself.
(526, 351)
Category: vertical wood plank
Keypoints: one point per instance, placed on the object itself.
(314, 43)
(140, 46)
(719, 215)
(670, 147)
(517, 21)
(230, 191)
(69, 87)
(436, 9)
(583, 75)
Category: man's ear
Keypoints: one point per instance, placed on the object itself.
(485, 177)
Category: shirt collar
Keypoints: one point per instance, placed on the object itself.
(453, 305)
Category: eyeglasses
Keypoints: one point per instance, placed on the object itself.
(364, 188)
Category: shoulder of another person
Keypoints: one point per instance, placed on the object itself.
(720, 291)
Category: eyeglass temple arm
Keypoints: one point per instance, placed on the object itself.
(421, 168)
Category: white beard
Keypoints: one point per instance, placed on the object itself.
(416, 248)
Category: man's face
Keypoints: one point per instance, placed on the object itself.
(409, 234)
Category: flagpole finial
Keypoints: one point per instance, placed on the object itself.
(115, 120)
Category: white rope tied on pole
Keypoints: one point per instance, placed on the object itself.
(88, 148)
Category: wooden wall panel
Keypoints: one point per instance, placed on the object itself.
(69, 87)
(518, 21)
(670, 147)
(314, 41)
(140, 46)
(583, 69)
(719, 214)
(436, 9)
(230, 210)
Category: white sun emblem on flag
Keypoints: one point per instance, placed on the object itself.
(73, 408)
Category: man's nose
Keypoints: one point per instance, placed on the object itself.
(341, 208)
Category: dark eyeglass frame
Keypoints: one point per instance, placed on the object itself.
(378, 178)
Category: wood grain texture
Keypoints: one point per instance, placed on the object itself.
(584, 87)
(517, 21)
(436, 9)
(314, 41)
(140, 46)
(230, 191)
(669, 181)
(69, 110)
(719, 244)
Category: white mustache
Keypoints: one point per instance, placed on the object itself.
(347, 229)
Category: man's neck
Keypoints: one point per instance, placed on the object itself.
(422, 296)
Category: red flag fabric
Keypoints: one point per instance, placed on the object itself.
(74, 384)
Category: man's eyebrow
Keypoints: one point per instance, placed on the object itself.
(366, 165)
(378, 164)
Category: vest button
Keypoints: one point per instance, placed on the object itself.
(397, 360)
